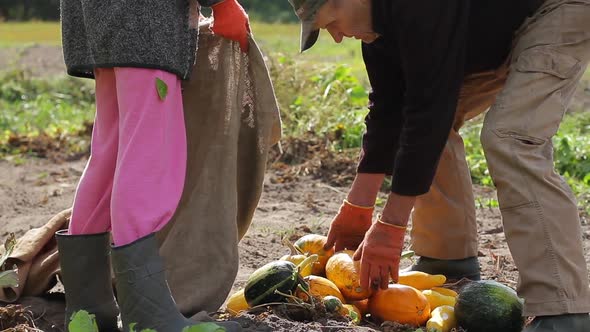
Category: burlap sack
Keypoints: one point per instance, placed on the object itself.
(232, 120)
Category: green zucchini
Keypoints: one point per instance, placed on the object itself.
(332, 304)
(275, 276)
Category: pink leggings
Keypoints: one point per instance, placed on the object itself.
(135, 175)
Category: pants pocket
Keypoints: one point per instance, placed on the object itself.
(525, 139)
(548, 61)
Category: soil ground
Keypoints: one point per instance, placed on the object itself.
(33, 191)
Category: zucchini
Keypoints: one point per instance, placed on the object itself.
(263, 284)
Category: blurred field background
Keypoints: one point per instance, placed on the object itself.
(322, 94)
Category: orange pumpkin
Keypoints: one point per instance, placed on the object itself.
(314, 244)
(400, 303)
(345, 273)
(362, 306)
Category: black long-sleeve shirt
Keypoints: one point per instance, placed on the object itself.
(416, 69)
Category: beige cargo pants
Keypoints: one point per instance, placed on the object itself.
(528, 97)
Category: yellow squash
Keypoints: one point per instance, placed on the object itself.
(443, 319)
(322, 287)
(345, 274)
(436, 299)
(421, 280)
(445, 291)
(236, 303)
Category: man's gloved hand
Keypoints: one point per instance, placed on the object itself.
(380, 254)
(349, 226)
(231, 22)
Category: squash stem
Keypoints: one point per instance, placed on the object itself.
(289, 296)
(275, 304)
(309, 260)
(309, 296)
(294, 250)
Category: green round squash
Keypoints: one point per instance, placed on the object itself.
(489, 306)
(332, 303)
(262, 284)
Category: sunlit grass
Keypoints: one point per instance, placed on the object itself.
(272, 38)
(19, 34)
(284, 38)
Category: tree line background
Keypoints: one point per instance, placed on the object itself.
(48, 10)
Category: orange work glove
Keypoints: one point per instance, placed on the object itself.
(380, 254)
(349, 226)
(231, 22)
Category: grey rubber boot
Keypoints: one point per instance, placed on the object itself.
(560, 323)
(86, 276)
(454, 270)
(143, 292)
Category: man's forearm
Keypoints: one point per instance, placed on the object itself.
(365, 188)
(397, 210)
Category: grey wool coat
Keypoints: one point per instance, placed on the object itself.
(158, 34)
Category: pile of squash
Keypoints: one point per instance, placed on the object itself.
(311, 273)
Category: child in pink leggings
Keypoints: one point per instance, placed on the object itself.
(135, 175)
(138, 53)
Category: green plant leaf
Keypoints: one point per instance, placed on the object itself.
(82, 321)
(162, 88)
(8, 248)
(9, 278)
(204, 327)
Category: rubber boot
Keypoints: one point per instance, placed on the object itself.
(560, 323)
(454, 270)
(143, 293)
(86, 276)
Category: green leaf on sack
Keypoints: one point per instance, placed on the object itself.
(82, 321)
(8, 248)
(9, 278)
(204, 327)
(162, 88)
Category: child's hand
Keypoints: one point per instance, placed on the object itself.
(231, 22)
